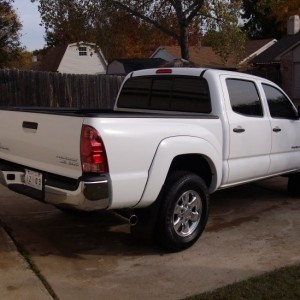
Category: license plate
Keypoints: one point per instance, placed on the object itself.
(34, 179)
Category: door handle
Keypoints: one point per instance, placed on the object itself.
(238, 130)
(276, 129)
(30, 125)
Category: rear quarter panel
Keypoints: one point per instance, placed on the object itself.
(132, 143)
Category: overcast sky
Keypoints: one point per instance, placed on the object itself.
(32, 33)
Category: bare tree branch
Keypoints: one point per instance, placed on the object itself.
(194, 10)
(147, 19)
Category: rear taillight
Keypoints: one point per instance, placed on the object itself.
(93, 154)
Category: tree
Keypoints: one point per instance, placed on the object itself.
(136, 39)
(215, 16)
(174, 18)
(70, 21)
(268, 18)
(224, 34)
(65, 21)
(75, 20)
(10, 27)
(158, 12)
(23, 61)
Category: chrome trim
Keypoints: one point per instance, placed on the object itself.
(95, 195)
(81, 199)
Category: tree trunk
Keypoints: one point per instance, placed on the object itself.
(184, 41)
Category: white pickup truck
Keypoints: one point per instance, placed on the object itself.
(174, 137)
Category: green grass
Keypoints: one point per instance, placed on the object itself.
(280, 284)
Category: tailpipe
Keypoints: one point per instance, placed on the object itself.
(133, 220)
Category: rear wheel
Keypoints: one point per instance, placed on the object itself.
(184, 211)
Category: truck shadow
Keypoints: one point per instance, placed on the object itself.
(49, 231)
(72, 235)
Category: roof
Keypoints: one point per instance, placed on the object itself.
(272, 54)
(52, 59)
(179, 63)
(133, 64)
(253, 46)
(206, 57)
(201, 56)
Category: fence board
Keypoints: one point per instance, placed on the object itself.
(44, 89)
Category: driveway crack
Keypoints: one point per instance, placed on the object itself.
(25, 255)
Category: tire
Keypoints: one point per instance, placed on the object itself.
(293, 187)
(184, 211)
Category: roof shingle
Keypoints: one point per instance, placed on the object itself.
(272, 54)
(52, 59)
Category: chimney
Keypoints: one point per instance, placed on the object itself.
(293, 25)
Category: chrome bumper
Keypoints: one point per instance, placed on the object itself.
(89, 195)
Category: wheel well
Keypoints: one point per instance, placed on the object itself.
(194, 163)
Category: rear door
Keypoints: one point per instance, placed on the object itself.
(249, 131)
(285, 153)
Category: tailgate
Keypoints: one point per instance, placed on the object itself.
(46, 142)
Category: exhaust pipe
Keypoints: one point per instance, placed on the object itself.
(133, 220)
(129, 218)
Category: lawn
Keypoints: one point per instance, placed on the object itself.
(280, 284)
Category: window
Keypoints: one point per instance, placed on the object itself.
(279, 104)
(244, 97)
(82, 51)
(169, 93)
(135, 93)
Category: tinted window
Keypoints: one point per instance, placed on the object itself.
(169, 93)
(279, 104)
(135, 93)
(244, 97)
(161, 94)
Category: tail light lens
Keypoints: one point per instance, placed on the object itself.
(164, 71)
(93, 154)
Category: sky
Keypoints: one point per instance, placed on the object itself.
(32, 33)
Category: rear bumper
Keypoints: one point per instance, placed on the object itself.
(87, 193)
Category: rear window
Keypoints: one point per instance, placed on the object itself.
(244, 97)
(169, 93)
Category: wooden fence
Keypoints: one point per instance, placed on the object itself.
(44, 89)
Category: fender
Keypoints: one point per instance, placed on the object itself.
(170, 148)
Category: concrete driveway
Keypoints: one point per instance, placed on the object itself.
(46, 254)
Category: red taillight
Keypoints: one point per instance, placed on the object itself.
(93, 154)
(164, 71)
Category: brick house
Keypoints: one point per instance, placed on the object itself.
(283, 58)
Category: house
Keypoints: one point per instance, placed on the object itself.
(284, 58)
(200, 56)
(125, 66)
(206, 57)
(76, 58)
(254, 48)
